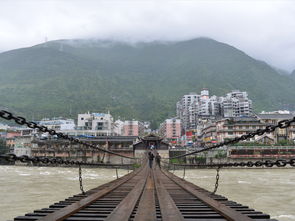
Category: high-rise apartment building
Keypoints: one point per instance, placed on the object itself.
(194, 107)
(236, 104)
(186, 109)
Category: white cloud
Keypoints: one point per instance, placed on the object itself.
(263, 29)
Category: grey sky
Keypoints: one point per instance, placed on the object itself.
(262, 29)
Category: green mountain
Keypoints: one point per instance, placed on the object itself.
(141, 81)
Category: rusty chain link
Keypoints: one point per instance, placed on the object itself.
(270, 128)
(217, 180)
(80, 179)
(22, 121)
(46, 160)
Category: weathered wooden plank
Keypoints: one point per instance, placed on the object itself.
(146, 210)
(169, 210)
(225, 211)
(73, 208)
(125, 208)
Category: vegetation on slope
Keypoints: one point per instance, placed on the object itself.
(142, 81)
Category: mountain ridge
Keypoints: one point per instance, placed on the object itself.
(141, 81)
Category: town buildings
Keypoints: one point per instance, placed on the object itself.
(119, 127)
(133, 128)
(95, 124)
(272, 118)
(194, 108)
(170, 130)
(23, 145)
(236, 104)
(229, 128)
(59, 124)
(185, 110)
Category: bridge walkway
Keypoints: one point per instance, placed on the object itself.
(146, 195)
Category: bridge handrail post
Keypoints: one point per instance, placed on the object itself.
(117, 173)
(183, 172)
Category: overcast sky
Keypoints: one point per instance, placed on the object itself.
(262, 29)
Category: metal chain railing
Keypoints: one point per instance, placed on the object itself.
(183, 176)
(22, 121)
(217, 180)
(117, 175)
(80, 180)
(259, 163)
(259, 132)
(53, 161)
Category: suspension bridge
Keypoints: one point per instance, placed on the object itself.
(146, 193)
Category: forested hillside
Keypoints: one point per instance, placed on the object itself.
(140, 81)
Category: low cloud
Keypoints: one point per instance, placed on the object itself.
(263, 29)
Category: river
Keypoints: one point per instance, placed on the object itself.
(23, 189)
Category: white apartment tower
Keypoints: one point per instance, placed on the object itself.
(236, 104)
(186, 109)
(194, 107)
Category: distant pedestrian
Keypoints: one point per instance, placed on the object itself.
(152, 147)
(151, 159)
(158, 159)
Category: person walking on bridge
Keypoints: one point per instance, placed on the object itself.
(158, 159)
(151, 159)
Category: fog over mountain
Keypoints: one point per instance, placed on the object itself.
(262, 29)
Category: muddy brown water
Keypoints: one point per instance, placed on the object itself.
(24, 189)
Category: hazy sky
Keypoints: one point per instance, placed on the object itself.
(263, 29)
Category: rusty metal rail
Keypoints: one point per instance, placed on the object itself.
(146, 195)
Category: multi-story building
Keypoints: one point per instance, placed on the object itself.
(170, 129)
(230, 128)
(58, 124)
(97, 124)
(17, 136)
(23, 145)
(236, 127)
(186, 109)
(236, 104)
(193, 107)
(119, 127)
(272, 118)
(208, 134)
(133, 128)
